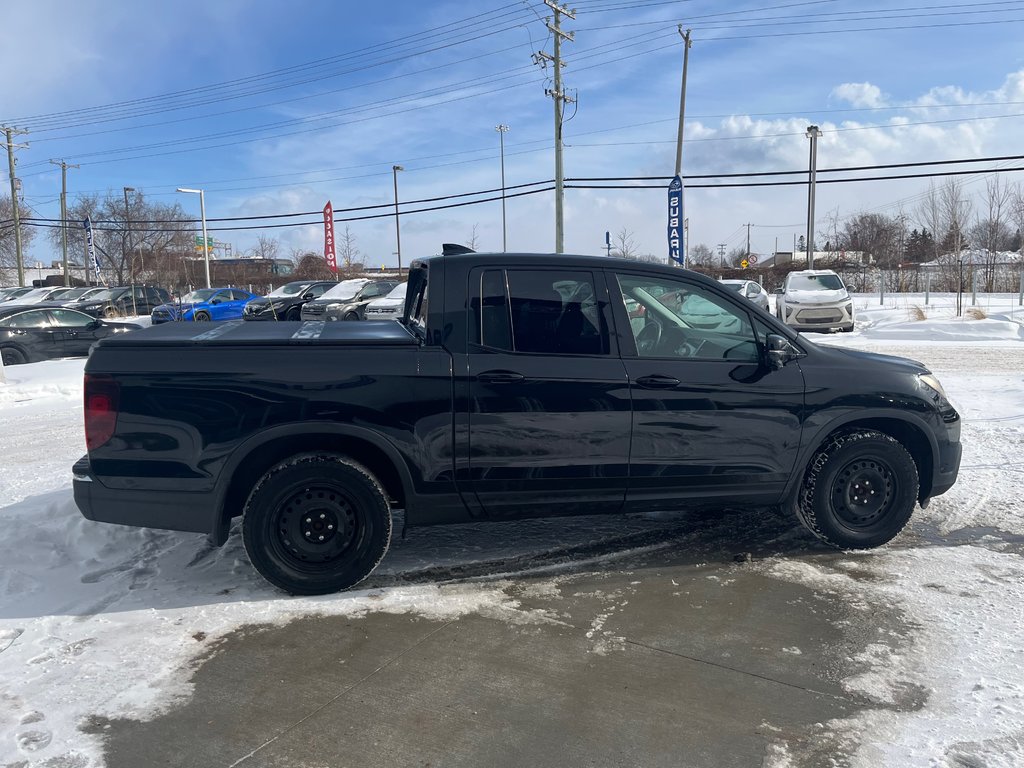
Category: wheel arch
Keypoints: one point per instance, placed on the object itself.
(17, 348)
(911, 434)
(250, 461)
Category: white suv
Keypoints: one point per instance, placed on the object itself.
(814, 300)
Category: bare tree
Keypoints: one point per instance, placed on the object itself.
(624, 245)
(1018, 217)
(833, 236)
(736, 255)
(702, 256)
(267, 248)
(473, 243)
(134, 243)
(8, 251)
(990, 230)
(348, 251)
(874, 234)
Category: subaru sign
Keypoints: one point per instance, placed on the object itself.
(676, 248)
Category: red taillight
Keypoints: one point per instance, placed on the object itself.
(101, 401)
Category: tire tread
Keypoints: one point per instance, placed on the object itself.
(805, 508)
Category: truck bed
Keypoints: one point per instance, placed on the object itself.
(242, 333)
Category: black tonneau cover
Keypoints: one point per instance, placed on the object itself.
(233, 333)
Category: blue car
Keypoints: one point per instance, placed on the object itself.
(205, 304)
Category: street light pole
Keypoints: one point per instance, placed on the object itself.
(502, 129)
(812, 133)
(206, 240)
(398, 230)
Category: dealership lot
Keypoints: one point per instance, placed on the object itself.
(719, 640)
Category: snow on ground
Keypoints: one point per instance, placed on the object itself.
(107, 620)
(963, 601)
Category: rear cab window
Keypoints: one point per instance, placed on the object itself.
(538, 312)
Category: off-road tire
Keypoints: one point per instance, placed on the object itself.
(11, 356)
(316, 523)
(859, 490)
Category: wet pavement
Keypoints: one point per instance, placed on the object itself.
(672, 650)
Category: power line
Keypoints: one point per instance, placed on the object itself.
(179, 225)
(458, 27)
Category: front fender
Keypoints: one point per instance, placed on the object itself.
(868, 418)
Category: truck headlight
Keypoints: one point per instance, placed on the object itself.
(933, 384)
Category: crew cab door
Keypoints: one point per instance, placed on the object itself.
(711, 419)
(548, 400)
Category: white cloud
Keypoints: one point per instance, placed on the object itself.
(860, 94)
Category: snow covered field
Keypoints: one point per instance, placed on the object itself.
(104, 620)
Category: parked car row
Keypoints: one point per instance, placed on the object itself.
(204, 304)
(29, 333)
(49, 323)
(297, 300)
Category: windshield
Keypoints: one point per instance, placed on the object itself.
(106, 294)
(398, 292)
(34, 295)
(736, 286)
(814, 283)
(203, 294)
(346, 289)
(92, 292)
(290, 289)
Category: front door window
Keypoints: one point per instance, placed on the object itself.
(678, 319)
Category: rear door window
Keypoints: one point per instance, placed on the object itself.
(539, 312)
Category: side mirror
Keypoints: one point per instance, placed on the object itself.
(94, 325)
(215, 301)
(781, 351)
(778, 291)
(307, 296)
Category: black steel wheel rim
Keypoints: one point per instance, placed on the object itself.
(315, 527)
(864, 491)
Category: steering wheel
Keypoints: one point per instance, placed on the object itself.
(649, 338)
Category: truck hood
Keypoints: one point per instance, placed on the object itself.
(233, 333)
(387, 303)
(817, 297)
(902, 364)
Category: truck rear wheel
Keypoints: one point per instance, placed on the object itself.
(859, 491)
(315, 524)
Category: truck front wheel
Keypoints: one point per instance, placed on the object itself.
(315, 524)
(859, 491)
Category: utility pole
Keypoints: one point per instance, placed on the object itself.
(559, 97)
(721, 254)
(11, 146)
(748, 238)
(398, 227)
(682, 100)
(64, 214)
(812, 133)
(502, 129)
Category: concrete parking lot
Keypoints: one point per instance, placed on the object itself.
(674, 656)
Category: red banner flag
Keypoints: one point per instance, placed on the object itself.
(329, 255)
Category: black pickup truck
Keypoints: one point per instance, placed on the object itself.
(514, 386)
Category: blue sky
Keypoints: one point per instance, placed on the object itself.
(281, 106)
